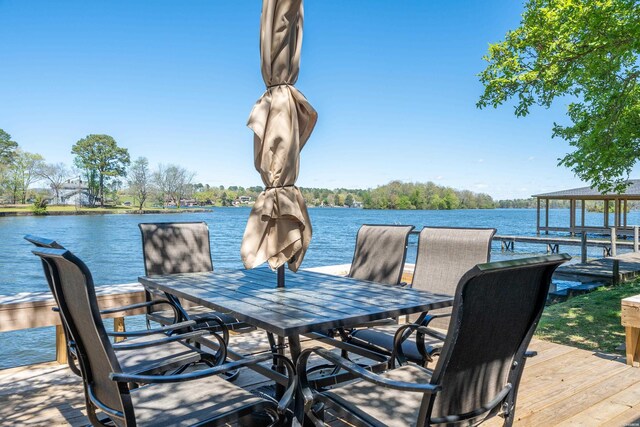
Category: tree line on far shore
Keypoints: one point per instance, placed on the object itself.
(110, 177)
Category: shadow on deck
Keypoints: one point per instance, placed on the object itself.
(561, 386)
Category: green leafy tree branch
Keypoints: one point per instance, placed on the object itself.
(584, 51)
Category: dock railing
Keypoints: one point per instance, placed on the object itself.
(35, 310)
(609, 246)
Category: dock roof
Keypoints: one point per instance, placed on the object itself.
(632, 191)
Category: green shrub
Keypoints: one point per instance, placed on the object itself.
(39, 205)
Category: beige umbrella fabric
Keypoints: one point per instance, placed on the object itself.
(279, 229)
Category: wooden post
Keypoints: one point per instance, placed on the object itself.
(538, 216)
(624, 212)
(583, 208)
(583, 247)
(119, 326)
(572, 217)
(614, 237)
(635, 238)
(606, 213)
(61, 346)
(546, 218)
(630, 319)
(616, 272)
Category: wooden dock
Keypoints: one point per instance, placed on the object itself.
(561, 386)
(602, 270)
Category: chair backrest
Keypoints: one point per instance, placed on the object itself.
(175, 247)
(496, 310)
(445, 254)
(380, 253)
(43, 242)
(76, 296)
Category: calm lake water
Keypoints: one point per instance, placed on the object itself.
(110, 246)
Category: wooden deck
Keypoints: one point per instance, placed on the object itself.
(561, 386)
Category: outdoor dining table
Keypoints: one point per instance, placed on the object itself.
(310, 303)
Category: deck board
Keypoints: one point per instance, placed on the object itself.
(561, 386)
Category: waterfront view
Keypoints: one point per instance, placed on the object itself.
(111, 247)
(105, 241)
(426, 212)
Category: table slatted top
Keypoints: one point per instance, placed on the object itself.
(309, 302)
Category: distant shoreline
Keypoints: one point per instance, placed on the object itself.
(98, 211)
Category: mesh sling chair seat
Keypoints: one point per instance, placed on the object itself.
(445, 254)
(200, 397)
(156, 352)
(180, 247)
(496, 309)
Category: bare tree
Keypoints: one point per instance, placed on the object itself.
(139, 180)
(174, 182)
(57, 174)
(24, 170)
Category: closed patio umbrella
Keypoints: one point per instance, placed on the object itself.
(279, 230)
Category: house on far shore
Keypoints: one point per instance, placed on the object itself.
(243, 200)
(75, 192)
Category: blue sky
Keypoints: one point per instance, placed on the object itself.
(394, 83)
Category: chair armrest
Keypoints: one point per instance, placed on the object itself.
(290, 392)
(163, 379)
(403, 333)
(145, 344)
(283, 404)
(164, 329)
(220, 325)
(359, 372)
(432, 333)
(429, 317)
(139, 305)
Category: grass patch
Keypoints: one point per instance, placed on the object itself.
(590, 321)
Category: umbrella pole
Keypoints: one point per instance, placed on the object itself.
(281, 276)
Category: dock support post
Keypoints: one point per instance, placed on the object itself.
(61, 346)
(572, 218)
(614, 237)
(583, 247)
(635, 238)
(538, 216)
(546, 216)
(616, 272)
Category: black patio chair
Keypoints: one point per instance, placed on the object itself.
(200, 397)
(181, 247)
(156, 351)
(444, 255)
(496, 310)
